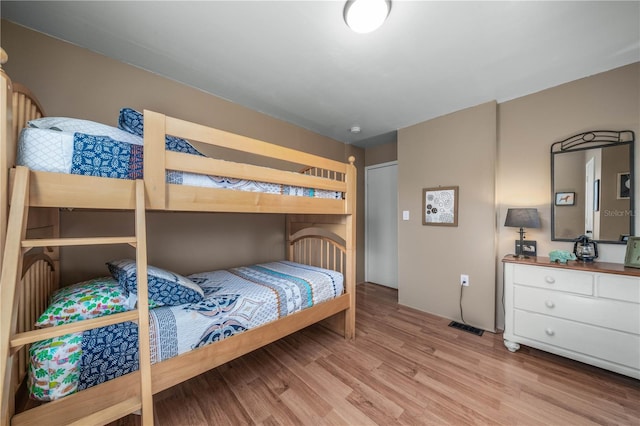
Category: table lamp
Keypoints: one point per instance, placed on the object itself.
(522, 218)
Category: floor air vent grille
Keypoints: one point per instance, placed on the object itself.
(467, 328)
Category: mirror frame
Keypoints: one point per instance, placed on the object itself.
(590, 140)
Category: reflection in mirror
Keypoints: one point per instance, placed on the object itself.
(591, 184)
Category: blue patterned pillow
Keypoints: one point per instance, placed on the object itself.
(132, 121)
(105, 157)
(165, 288)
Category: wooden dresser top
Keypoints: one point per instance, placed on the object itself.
(604, 267)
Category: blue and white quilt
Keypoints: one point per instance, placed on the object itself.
(79, 153)
(235, 300)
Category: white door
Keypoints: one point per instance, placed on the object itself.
(381, 224)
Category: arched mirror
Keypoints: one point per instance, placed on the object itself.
(592, 186)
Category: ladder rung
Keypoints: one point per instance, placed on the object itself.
(21, 339)
(110, 414)
(58, 242)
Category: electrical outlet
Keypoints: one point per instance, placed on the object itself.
(464, 280)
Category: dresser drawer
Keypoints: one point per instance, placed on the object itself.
(607, 313)
(619, 287)
(615, 346)
(554, 278)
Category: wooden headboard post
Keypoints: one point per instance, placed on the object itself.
(350, 237)
(6, 148)
(17, 106)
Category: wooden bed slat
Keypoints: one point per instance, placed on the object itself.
(79, 406)
(73, 191)
(9, 288)
(32, 336)
(221, 138)
(78, 241)
(211, 166)
(109, 414)
(184, 198)
(144, 348)
(179, 198)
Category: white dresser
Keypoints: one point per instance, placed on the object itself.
(587, 312)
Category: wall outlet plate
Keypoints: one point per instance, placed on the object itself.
(464, 280)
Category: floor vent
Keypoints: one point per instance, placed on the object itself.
(467, 328)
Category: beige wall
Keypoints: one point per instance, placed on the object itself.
(613, 225)
(379, 154)
(462, 147)
(71, 81)
(527, 128)
(217, 240)
(569, 177)
(442, 152)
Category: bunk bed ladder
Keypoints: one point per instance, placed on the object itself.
(10, 342)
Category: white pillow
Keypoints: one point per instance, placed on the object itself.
(45, 150)
(73, 125)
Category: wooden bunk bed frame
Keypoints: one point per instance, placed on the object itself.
(320, 232)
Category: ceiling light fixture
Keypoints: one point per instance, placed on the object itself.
(355, 129)
(364, 16)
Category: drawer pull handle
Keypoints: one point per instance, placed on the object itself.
(549, 304)
(549, 279)
(549, 332)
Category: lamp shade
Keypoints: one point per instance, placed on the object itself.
(522, 218)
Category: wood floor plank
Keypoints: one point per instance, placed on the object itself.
(227, 409)
(405, 367)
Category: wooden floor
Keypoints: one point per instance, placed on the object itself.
(405, 367)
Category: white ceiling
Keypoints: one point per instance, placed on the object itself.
(299, 62)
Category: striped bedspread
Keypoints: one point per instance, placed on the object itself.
(235, 300)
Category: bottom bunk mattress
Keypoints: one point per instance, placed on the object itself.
(234, 301)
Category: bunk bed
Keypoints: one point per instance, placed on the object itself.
(320, 232)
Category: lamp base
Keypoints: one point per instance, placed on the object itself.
(520, 253)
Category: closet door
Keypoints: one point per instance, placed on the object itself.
(381, 224)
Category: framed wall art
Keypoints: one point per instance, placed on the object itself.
(565, 198)
(632, 256)
(440, 206)
(623, 186)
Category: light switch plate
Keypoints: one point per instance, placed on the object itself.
(405, 215)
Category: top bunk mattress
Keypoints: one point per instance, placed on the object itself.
(52, 150)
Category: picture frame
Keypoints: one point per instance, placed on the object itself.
(632, 256)
(530, 248)
(596, 195)
(440, 206)
(565, 198)
(623, 186)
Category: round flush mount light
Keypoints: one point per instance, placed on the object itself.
(365, 16)
(355, 130)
